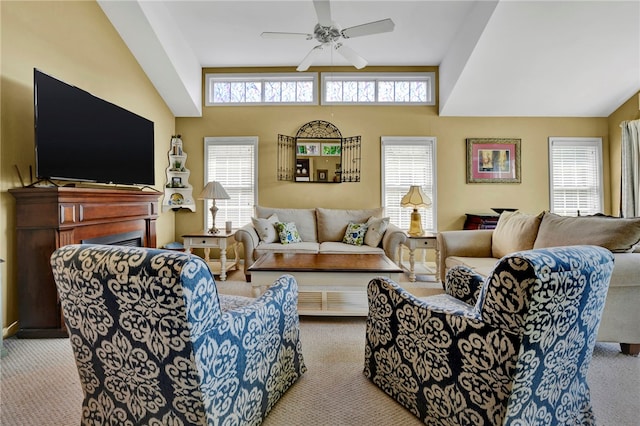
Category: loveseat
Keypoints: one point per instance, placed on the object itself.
(481, 249)
(320, 231)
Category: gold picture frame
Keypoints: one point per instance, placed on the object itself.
(493, 160)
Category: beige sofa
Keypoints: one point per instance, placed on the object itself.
(321, 231)
(481, 249)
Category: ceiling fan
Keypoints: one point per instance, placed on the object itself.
(329, 34)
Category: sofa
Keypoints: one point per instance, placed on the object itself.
(481, 249)
(318, 230)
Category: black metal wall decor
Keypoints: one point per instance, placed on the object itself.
(319, 153)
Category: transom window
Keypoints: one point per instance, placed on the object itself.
(261, 89)
(378, 88)
(575, 176)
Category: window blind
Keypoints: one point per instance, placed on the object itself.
(575, 176)
(406, 162)
(233, 163)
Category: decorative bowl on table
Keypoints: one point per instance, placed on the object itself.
(499, 210)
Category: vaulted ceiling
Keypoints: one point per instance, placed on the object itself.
(495, 57)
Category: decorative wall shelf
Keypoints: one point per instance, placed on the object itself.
(178, 193)
(319, 154)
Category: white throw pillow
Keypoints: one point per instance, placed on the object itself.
(266, 228)
(376, 227)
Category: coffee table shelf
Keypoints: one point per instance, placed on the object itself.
(329, 284)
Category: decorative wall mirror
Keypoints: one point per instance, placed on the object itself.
(318, 153)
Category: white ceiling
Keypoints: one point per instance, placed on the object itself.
(496, 57)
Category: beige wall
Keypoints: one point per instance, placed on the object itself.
(630, 110)
(75, 42)
(455, 196)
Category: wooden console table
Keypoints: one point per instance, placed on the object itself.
(52, 217)
(481, 220)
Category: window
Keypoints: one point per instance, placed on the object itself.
(232, 161)
(575, 176)
(408, 161)
(378, 88)
(261, 89)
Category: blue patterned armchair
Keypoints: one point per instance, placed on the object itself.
(156, 344)
(518, 355)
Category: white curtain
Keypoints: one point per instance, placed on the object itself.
(630, 168)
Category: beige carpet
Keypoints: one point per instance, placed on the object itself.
(40, 386)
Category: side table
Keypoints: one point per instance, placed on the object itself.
(427, 241)
(207, 241)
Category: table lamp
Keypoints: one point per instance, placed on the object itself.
(415, 198)
(213, 191)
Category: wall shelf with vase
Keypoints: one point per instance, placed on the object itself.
(178, 193)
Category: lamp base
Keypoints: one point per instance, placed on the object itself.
(415, 228)
(213, 210)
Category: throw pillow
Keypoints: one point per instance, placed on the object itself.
(515, 231)
(266, 228)
(355, 234)
(288, 232)
(376, 227)
(620, 235)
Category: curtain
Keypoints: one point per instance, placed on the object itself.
(630, 199)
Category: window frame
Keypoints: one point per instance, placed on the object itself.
(577, 142)
(431, 212)
(377, 77)
(222, 205)
(262, 78)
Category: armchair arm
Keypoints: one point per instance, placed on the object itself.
(468, 243)
(248, 237)
(255, 350)
(463, 284)
(391, 240)
(431, 356)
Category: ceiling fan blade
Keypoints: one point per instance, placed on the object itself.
(308, 60)
(268, 34)
(351, 56)
(376, 27)
(323, 11)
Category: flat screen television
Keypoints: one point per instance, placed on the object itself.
(80, 137)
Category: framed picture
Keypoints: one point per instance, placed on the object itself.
(323, 175)
(493, 160)
(308, 148)
(176, 182)
(331, 149)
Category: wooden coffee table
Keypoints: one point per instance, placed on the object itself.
(328, 284)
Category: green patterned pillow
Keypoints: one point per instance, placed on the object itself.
(288, 232)
(355, 234)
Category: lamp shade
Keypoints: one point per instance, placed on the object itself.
(415, 198)
(213, 191)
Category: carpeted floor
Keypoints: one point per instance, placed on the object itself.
(40, 386)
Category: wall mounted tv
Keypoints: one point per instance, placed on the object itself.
(79, 137)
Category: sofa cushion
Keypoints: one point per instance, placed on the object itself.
(288, 232)
(303, 247)
(376, 227)
(354, 234)
(305, 220)
(515, 231)
(332, 223)
(332, 247)
(620, 235)
(479, 265)
(266, 228)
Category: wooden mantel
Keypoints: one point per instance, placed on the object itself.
(51, 217)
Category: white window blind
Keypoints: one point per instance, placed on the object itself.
(232, 161)
(408, 161)
(575, 168)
